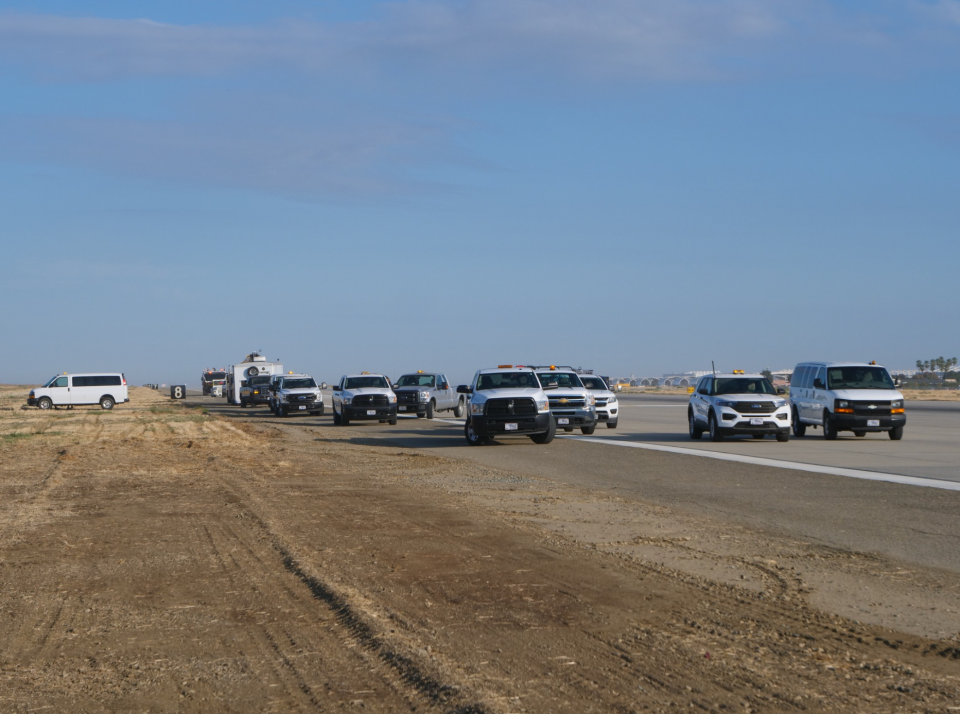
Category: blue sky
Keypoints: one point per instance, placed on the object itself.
(632, 185)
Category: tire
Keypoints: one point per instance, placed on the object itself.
(344, 419)
(896, 433)
(44, 403)
(799, 428)
(282, 412)
(713, 428)
(106, 403)
(472, 437)
(243, 404)
(392, 422)
(420, 416)
(459, 409)
(336, 417)
(781, 436)
(546, 437)
(588, 430)
(860, 433)
(694, 429)
(829, 428)
(612, 424)
(568, 428)
(431, 405)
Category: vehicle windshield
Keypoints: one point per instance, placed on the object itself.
(302, 383)
(259, 380)
(858, 378)
(564, 380)
(51, 380)
(416, 380)
(593, 383)
(743, 385)
(215, 375)
(508, 380)
(365, 382)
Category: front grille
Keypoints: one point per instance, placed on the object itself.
(601, 401)
(878, 409)
(567, 403)
(406, 397)
(370, 400)
(755, 407)
(300, 398)
(509, 407)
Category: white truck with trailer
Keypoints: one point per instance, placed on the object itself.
(253, 365)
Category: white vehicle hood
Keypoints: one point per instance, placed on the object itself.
(486, 394)
(750, 397)
(368, 390)
(868, 395)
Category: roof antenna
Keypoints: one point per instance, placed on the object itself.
(713, 367)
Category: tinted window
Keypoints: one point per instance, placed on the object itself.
(705, 385)
(563, 379)
(301, 383)
(415, 380)
(370, 382)
(593, 383)
(59, 382)
(822, 376)
(796, 379)
(106, 380)
(508, 380)
(859, 378)
(745, 385)
(806, 381)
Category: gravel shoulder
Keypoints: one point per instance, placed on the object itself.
(158, 558)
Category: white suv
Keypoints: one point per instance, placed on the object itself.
(738, 403)
(507, 401)
(846, 396)
(364, 396)
(608, 407)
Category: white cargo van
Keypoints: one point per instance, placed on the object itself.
(69, 390)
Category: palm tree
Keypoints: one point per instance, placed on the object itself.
(919, 365)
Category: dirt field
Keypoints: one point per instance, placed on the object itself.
(156, 558)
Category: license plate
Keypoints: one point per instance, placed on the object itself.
(371, 412)
(510, 427)
(403, 409)
(873, 422)
(563, 420)
(303, 407)
(756, 421)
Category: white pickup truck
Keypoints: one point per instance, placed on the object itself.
(426, 393)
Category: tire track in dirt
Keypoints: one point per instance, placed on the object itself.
(407, 678)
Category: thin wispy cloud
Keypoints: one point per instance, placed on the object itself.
(650, 39)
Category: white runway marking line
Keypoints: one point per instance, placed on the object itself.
(778, 464)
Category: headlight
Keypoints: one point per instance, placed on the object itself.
(779, 403)
(842, 404)
(424, 396)
(476, 408)
(726, 404)
(392, 399)
(895, 404)
(543, 405)
(591, 400)
(348, 400)
(32, 394)
(612, 399)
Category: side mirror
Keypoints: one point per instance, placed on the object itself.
(897, 383)
(444, 385)
(781, 390)
(336, 387)
(464, 389)
(818, 383)
(704, 392)
(323, 385)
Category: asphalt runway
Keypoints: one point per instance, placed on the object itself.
(917, 525)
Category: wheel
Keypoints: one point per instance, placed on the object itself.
(282, 411)
(106, 403)
(859, 433)
(546, 437)
(612, 424)
(459, 409)
(783, 436)
(45, 403)
(568, 428)
(896, 433)
(588, 430)
(336, 417)
(473, 438)
(430, 407)
(344, 419)
(393, 422)
(696, 431)
(757, 436)
(715, 434)
(799, 428)
(829, 428)
(420, 415)
(243, 404)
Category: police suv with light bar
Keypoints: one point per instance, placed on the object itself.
(507, 401)
(738, 403)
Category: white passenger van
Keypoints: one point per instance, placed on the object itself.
(846, 396)
(69, 390)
